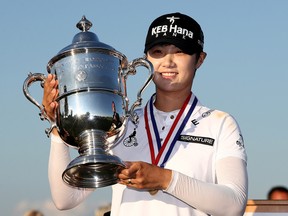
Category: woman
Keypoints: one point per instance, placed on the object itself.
(187, 159)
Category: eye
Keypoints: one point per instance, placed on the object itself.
(156, 52)
(179, 51)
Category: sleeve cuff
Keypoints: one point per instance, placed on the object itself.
(56, 139)
(172, 183)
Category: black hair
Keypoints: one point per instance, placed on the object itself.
(276, 188)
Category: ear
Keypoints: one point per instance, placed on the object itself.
(201, 59)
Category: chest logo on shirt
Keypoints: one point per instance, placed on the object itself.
(197, 139)
(130, 141)
(240, 141)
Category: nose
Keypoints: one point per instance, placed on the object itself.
(168, 60)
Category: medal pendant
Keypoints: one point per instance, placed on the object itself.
(153, 192)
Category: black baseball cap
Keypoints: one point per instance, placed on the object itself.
(177, 29)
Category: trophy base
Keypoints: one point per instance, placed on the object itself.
(93, 171)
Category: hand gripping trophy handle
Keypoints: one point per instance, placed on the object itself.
(37, 77)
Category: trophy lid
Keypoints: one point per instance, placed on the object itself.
(86, 42)
(85, 39)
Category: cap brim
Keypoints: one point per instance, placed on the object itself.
(186, 49)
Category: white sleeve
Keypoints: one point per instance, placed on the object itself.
(64, 196)
(227, 197)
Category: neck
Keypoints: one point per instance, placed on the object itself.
(170, 101)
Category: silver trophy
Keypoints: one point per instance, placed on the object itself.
(93, 106)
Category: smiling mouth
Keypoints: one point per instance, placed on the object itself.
(168, 74)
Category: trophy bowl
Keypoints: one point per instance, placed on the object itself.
(93, 106)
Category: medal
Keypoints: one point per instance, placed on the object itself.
(170, 141)
(153, 192)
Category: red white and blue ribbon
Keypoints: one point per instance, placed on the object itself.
(177, 127)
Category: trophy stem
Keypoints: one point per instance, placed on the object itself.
(94, 167)
(92, 142)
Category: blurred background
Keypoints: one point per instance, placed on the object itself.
(245, 74)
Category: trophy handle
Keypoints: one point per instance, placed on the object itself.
(132, 70)
(28, 81)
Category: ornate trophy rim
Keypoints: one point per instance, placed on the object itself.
(117, 54)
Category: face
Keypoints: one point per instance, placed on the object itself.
(174, 70)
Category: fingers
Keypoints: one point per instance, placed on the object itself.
(129, 181)
(131, 176)
(50, 91)
(130, 170)
(49, 96)
(50, 83)
(127, 176)
(142, 175)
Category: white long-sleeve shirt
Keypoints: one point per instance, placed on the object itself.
(208, 163)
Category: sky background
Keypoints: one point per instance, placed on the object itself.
(245, 74)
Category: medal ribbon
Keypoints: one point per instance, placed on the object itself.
(155, 160)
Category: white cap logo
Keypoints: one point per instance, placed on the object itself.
(172, 19)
